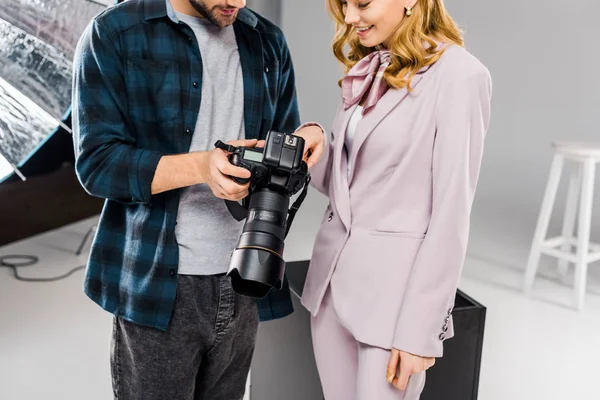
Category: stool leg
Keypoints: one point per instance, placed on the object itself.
(543, 221)
(570, 215)
(583, 234)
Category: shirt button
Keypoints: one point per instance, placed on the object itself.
(190, 39)
(172, 272)
(188, 132)
(330, 217)
(195, 84)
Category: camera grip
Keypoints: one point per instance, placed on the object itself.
(234, 159)
(240, 181)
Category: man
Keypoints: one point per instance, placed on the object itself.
(156, 84)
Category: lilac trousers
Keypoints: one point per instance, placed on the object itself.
(350, 370)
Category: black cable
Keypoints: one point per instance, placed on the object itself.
(97, 2)
(27, 261)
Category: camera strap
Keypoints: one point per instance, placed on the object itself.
(237, 210)
(294, 209)
(225, 147)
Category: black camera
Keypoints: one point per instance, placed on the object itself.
(277, 173)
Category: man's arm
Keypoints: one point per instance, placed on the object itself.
(174, 172)
(107, 161)
(210, 167)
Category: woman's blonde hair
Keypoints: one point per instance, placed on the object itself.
(429, 23)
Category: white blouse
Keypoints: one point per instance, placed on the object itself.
(351, 131)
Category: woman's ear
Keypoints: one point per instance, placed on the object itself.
(410, 3)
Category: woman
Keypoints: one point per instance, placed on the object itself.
(400, 173)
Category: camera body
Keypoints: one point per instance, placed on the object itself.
(278, 165)
(277, 173)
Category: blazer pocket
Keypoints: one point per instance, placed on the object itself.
(153, 90)
(410, 235)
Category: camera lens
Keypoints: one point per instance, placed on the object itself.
(257, 262)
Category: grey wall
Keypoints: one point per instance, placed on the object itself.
(546, 87)
(271, 9)
(543, 60)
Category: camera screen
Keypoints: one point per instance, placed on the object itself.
(253, 156)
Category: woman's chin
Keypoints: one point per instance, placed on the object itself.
(369, 42)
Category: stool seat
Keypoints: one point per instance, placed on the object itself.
(582, 149)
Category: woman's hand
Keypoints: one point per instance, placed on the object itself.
(409, 364)
(314, 145)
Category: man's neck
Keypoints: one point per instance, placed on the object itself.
(184, 7)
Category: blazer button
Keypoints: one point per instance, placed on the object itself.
(267, 70)
(195, 84)
(172, 272)
(330, 216)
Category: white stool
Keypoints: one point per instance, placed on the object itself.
(584, 156)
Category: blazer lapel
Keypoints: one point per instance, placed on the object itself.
(341, 179)
(340, 175)
(366, 125)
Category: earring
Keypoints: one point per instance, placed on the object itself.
(408, 11)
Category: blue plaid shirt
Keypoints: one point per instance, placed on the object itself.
(136, 94)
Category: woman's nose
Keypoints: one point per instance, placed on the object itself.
(351, 17)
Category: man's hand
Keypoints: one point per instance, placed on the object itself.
(216, 172)
(314, 139)
(409, 364)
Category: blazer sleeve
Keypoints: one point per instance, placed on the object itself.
(462, 121)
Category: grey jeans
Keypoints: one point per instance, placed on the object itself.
(205, 354)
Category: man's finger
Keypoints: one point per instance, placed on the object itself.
(233, 188)
(232, 170)
(261, 143)
(223, 185)
(220, 186)
(221, 162)
(392, 366)
(245, 142)
(238, 196)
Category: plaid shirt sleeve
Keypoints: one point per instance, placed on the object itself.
(108, 163)
(287, 117)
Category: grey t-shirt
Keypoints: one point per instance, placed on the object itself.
(205, 231)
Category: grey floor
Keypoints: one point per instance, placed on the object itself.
(54, 342)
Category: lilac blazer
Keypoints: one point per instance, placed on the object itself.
(393, 238)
